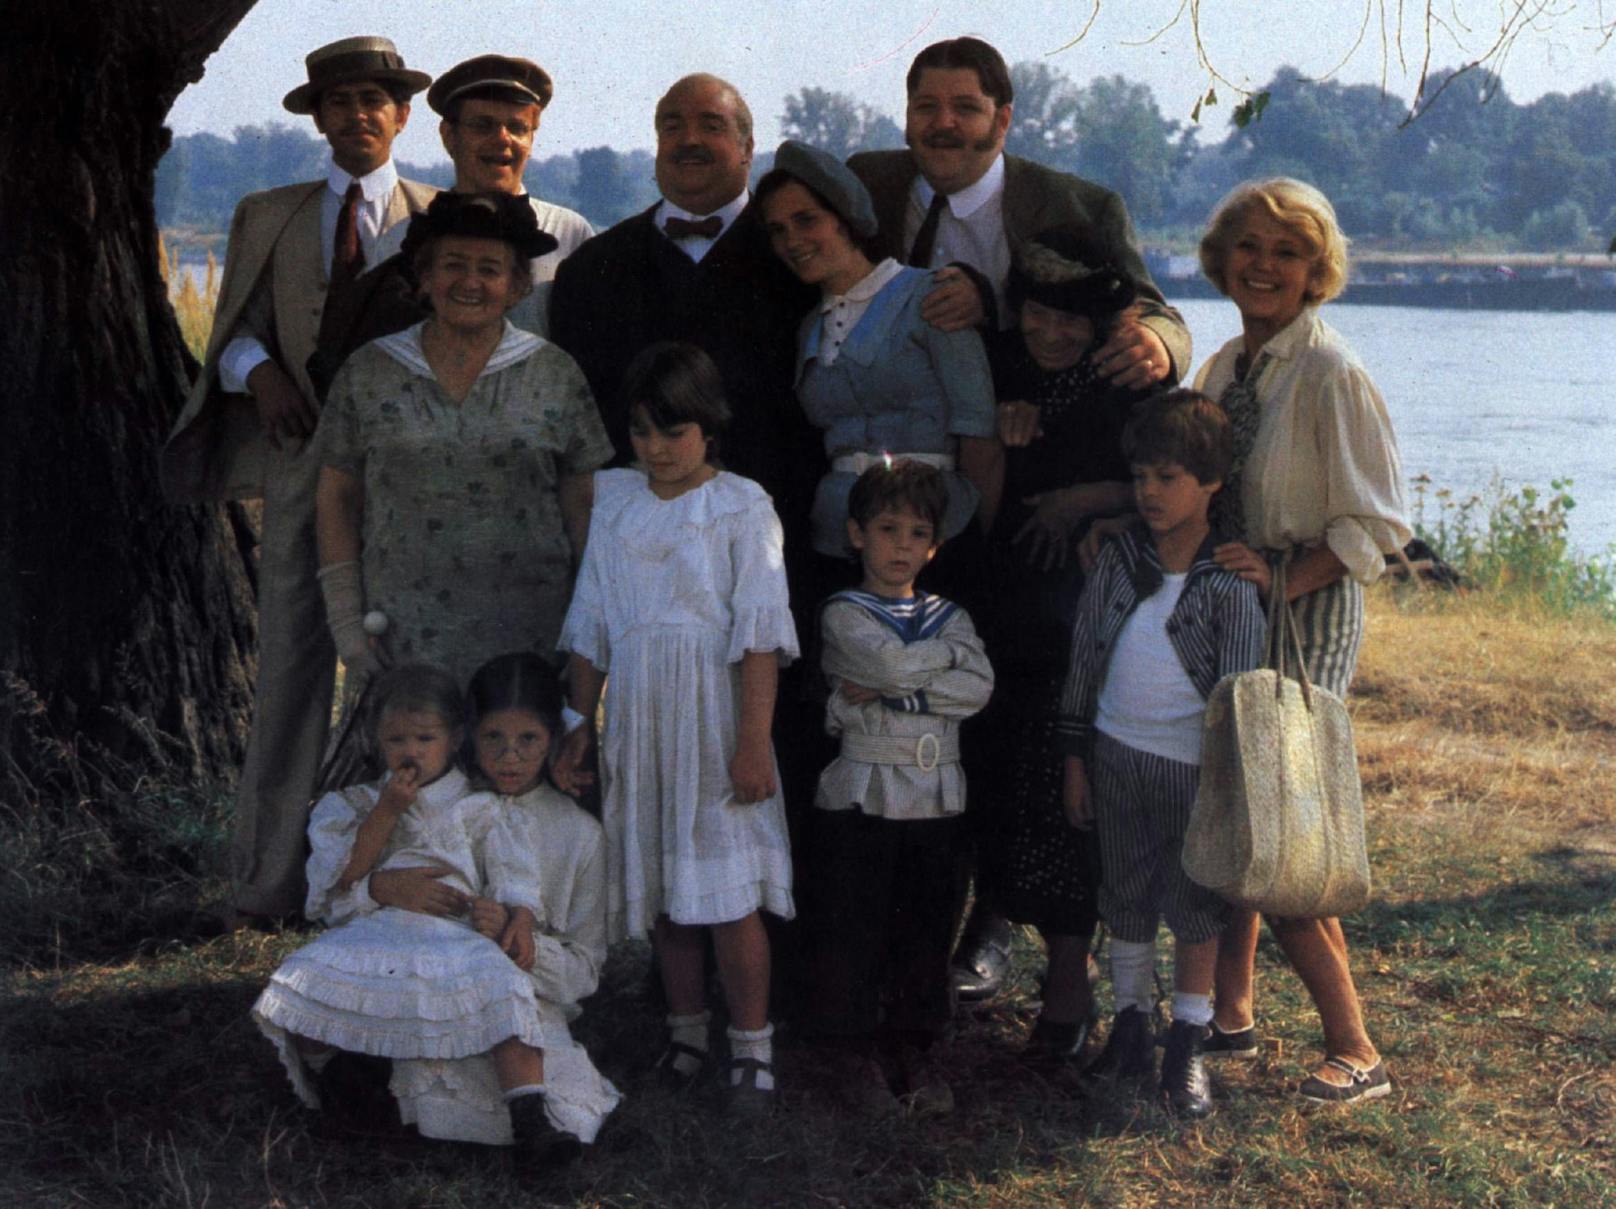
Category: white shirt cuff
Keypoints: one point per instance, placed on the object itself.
(240, 357)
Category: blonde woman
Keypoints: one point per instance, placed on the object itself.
(1316, 477)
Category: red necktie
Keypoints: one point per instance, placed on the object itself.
(347, 257)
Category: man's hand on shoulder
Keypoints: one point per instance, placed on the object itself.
(1134, 357)
(953, 303)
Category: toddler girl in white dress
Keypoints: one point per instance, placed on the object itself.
(417, 875)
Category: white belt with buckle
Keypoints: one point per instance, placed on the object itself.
(924, 752)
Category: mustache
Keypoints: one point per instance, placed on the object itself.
(692, 155)
(947, 139)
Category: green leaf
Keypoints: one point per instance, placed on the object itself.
(1250, 110)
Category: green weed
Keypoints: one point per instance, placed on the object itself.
(1517, 543)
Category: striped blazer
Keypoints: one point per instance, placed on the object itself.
(1217, 628)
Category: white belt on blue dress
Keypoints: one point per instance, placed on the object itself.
(858, 463)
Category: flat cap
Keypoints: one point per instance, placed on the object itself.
(520, 80)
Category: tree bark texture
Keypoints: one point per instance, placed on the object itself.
(127, 628)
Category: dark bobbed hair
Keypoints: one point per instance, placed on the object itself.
(518, 680)
(676, 383)
(1068, 269)
(776, 179)
(413, 686)
(887, 487)
(1182, 426)
(967, 52)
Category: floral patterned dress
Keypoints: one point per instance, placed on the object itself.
(463, 544)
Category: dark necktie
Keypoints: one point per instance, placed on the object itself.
(701, 228)
(1239, 401)
(347, 257)
(926, 237)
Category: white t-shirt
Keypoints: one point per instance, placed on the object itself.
(1148, 701)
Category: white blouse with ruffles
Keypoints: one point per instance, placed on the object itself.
(1324, 466)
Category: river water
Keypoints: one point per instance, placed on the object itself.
(1483, 397)
(1479, 398)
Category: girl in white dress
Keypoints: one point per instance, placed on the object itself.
(406, 870)
(682, 599)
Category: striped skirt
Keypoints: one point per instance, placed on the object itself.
(1330, 623)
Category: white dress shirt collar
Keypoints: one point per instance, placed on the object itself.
(697, 248)
(973, 197)
(376, 186)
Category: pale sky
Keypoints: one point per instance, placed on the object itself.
(611, 59)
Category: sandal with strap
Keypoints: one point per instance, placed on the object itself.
(668, 1070)
(745, 1096)
(1362, 1084)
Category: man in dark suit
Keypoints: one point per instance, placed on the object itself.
(697, 266)
(956, 203)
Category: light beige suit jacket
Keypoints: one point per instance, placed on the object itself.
(216, 450)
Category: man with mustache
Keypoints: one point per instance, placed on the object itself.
(955, 202)
(244, 432)
(491, 107)
(697, 267)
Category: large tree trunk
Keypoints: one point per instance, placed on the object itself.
(127, 627)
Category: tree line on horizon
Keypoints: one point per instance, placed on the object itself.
(1476, 170)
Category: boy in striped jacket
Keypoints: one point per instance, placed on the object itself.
(1158, 625)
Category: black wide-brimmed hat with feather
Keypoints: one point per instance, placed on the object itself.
(1068, 270)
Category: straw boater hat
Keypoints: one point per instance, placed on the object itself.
(348, 61)
(504, 77)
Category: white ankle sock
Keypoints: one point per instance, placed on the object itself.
(1192, 1009)
(1132, 966)
(758, 1044)
(692, 1031)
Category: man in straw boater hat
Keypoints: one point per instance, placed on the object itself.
(245, 429)
(491, 107)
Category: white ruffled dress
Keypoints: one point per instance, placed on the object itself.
(432, 993)
(671, 595)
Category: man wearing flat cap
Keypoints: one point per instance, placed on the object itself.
(244, 432)
(490, 109)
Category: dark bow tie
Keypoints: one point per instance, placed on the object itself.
(701, 228)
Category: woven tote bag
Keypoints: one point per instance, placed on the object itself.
(1278, 823)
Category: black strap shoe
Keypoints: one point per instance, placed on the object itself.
(540, 1146)
(1184, 1081)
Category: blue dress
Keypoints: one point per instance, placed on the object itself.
(898, 385)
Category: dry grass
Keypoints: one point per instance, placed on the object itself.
(193, 307)
(1486, 965)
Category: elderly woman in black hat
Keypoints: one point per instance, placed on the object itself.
(456, 458)
(875, 376)
(1062, 422)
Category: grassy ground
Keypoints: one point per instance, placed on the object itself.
(1487, 963)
